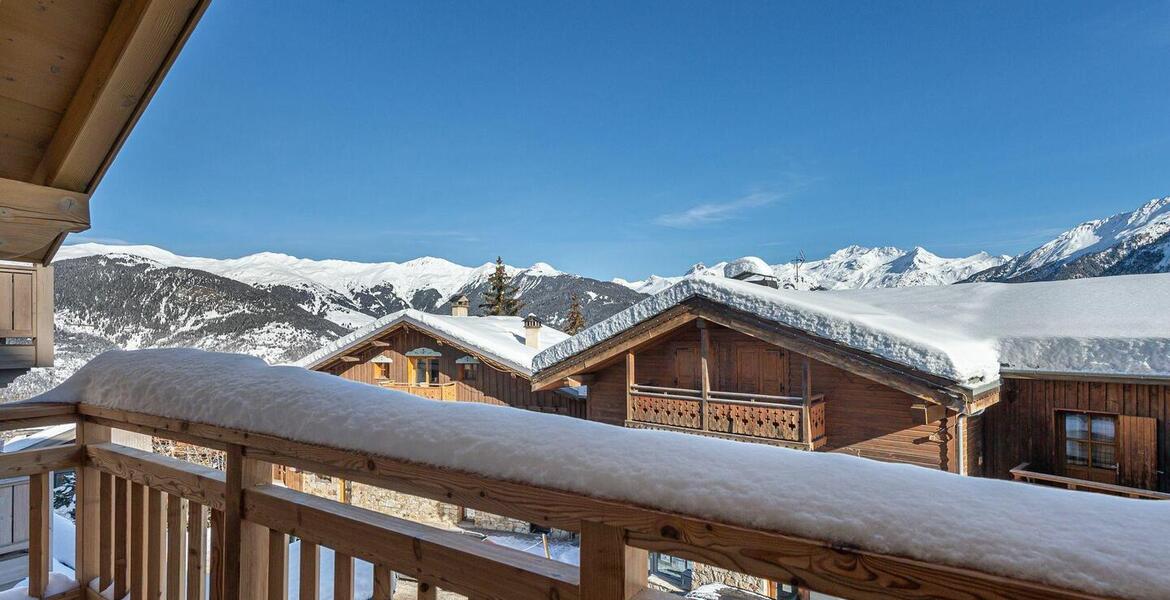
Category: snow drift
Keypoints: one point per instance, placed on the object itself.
(1095, 543)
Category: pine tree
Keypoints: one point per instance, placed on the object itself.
(575, 322)
(500, 298)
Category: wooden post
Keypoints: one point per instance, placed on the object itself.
(704, 366)
(106, 549)
(245, 568)
(310, 571)
(196, 550)
(806, 395)
(277, 565)
(93, 541)
(610, 570)
(40, 510)
(215, 556)
(137, 540)
(121, 537)
(427, 591)
(383, 583)
(176, 547)
(342, 576)
(154, 543)
(630, 385)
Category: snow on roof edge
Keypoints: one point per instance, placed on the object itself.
(435, 325)
(836, 498)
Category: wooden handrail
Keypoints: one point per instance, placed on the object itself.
(1021, 473)
(818, 564)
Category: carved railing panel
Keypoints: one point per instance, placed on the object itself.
(675, 412)
(756, 421)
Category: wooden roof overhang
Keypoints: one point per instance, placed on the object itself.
(375, 340)
(75, 75)
(928, 387)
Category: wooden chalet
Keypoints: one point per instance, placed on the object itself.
(453, 357)
(75, 75)
(703, 365)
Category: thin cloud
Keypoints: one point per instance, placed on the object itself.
(715, 212)
(79, 238)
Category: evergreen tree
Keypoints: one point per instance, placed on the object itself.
(575, 322)
(500, 298)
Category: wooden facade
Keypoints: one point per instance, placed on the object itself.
(488, 384)
(1025, 428)
(861, 417)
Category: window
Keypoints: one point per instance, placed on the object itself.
(426, 371)
(467, 372)
(677, 571)
(382, 370)
(1090, 446)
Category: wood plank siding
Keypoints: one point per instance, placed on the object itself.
(1023, 427)
(491, 385)
(862, 417)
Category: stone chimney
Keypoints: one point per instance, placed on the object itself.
(459, 306)
(532, 331)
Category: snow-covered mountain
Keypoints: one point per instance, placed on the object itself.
(1124, 244)
(851, 267)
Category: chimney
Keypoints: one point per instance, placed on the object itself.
(532, 331)
(459, 306)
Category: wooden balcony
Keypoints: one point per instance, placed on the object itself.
(437, 391)
(782, 420)
(1023, 472)
(153, 526)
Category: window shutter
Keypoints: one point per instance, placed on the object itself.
(1137, 460)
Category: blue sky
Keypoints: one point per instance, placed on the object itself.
(620, 139)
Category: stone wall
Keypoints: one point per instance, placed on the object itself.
(702, 574)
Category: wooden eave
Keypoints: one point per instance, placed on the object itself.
(925, 386)
(374, 340)
(74, 79)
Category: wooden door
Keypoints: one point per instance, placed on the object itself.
(774, 372)
(747, 369)
(1137, 450)
(686, 368)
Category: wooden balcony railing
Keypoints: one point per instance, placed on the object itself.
(142, 520)
(437, 391)
(1022, 473)
(789, 420)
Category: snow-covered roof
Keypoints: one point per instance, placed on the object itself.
(965, 333)
(1003, 527)
(500, 339)
(748, 265)
(52, 435)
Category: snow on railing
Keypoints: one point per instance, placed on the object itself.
(833, 523)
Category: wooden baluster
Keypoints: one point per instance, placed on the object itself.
(106, 532)
(196, 550)
(383, 583)
(92, 538)
(310, 570)
(245, 544)
(610, 570)
(121, 538)
(216, 556)
(342, 576)
(277, 565)
(154, 543)
(137, 540)
(39, 512)
(630, 381)
(806, 395)
(426, 591)
(176, 547)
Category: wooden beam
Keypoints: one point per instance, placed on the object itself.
(348, 359)
(38, 460)
(610, 570)
(33, 216)
(141, 43)
(458, 563)
(40, 509)
(630, 381)
(379, 344)
(21, 416)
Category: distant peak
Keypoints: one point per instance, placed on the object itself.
(542, 268)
